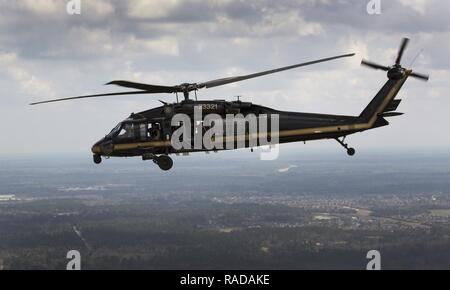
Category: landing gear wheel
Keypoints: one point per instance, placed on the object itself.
(97, 159)
(164, 162)
(351, 151)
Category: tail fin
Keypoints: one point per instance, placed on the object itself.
(384, 101)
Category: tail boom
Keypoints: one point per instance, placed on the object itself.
(383, 102)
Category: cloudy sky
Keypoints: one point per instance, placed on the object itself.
(46, 53)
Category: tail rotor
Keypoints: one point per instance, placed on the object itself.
(396, 71)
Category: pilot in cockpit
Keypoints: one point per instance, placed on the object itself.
(154, 132)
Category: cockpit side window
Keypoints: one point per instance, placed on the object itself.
(127, 131)
(143, 131)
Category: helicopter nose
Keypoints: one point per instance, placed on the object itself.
(97, 147)
(103, 147)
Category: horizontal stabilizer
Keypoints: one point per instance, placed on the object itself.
(390, 114)
(392, 106)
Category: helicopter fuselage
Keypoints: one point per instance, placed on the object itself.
(150, 132)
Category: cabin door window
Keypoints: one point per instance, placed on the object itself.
(143, 129)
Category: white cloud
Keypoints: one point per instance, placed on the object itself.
(285, 22)
(98, 7)
(151, 9)
(57, 8)
(418, 5)
(164, 45)
(40, 7)
(95, 41)
(273, 24)
(27, 81)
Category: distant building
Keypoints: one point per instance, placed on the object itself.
(7, 197)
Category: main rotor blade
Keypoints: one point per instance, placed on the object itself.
(224, 81)
(403, 46)
(155, 89)
(420, 76)
(374, 65)
(91, 96)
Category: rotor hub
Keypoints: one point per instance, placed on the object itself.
(396, 73)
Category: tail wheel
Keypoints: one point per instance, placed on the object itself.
(351, 151)
(164, 162)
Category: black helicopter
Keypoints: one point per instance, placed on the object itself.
(148, 134)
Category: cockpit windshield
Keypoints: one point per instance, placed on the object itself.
(124, 130)
(115, 131)
(139, 131)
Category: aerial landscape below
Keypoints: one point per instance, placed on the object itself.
(300, 212)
